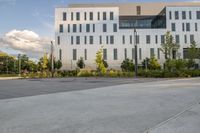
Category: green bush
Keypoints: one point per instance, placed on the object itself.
(127, 65)
(85, 73)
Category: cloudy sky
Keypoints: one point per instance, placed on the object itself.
(27, 26)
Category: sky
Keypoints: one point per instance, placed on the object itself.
(27, 26)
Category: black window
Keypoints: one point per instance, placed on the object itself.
(198, 14)
(187, 26)
(191, 38)
(148, 39)
(72, 16)
(196, 27)
(85, 54)
(104, 27)
(176, 15)
(158, 50)
(91, 15)
(74, 54)
(77, 39)
(133, 53)
(93, 27)
(115, 54)
(185, 38)
(131, 39)
(140, 53)
(85, 16)
(183, 26)
(162, 39)
(72, 40)
(87, 27)
(114, 27)
(177, 39)
(156, 39)
(170, 15)
(152, 52)
(61, 28)
(91, 39)
(98, 15)
(112, 41)
(125, 53)
(105, 54)
(190, 14)
(78, 16)
(137, 39)
(111, 16)
(173, 26)
(80, 27)
(123, 39)
(58, 40)
(68, 28)
(64, 16)
(183, 15)
(85, 39)
(107, 41)
(100, 39)
(74, 27)
(138, 10)
(104, 15)
(60, 54)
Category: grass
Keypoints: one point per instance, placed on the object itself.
(8, 75)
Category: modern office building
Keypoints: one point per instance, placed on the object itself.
(82, 29)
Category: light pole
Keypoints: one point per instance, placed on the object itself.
(52, 62)
(136, 61)
(19, 64)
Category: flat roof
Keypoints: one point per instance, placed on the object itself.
(147, 8)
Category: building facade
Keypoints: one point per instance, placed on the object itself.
(82, 29)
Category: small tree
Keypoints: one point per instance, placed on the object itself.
(193, 53)
(99, 62)
(146, 63)
(127, 65)
(80, 63)
(154, 64)
(169, 46)
(105, 63)
(58, 64)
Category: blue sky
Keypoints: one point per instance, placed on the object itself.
(38, 15)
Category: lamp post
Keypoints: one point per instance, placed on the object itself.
(19, 64)
(52, 62)
(136, 61)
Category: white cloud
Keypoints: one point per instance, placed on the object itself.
(27, 42)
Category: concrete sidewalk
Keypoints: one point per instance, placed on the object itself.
(129, 108)
(9, 78)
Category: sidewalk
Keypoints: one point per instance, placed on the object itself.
(9, 78)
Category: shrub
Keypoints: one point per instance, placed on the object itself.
(85, 73)
(80, 63)
(127, 65)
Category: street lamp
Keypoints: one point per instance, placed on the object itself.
(52, 62)
(136, 61)
(19, 64)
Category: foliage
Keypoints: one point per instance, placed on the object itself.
(175, 65)
(146, 63)
(127, 65)
(105, 63)
(193, 53)
(80, 63)
(154, 64)
(101, 69)
(7, 63)
(169, 46)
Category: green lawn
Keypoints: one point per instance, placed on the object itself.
(8, 75)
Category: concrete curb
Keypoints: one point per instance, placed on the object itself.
(9, 78)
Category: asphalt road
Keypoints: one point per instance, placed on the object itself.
(31, 87)
(170, 106)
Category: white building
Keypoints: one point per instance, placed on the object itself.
(82, 29)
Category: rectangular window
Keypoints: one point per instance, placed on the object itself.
(187, 26)
(68, 28)
(74, 54)
(137, 39)
(60, 54)
(123, 39)
(104, 16)
(107, 41)
(85, 39)
(196, 27)
(93, 27)
(64, 16)
(104, 28)
(138, 10)
(100, 39)
(148, 39)
(115, 54)
(133, 53)
(140, 53)
(173, 26)
(183, 27)
(162, 39)
(104, 54)
(74, 28)
(190, 14)
(98, 15)
(114, 27)
(78, 16)
(80, 27)
(85, 54)
(61, 28)
(125, 53)
(112, 40)
(176, 15)
(72, 40)
(177, 39)
(198, 14)
(185, 38)
(152, 52)
(156, 39)
(91, 15)
(58, 40)
(170, 15)
(191, 38)
(72, 16)
(131, 39)
(85, 16)
(78, 40)
(87, 27)
(91, 39)
(111, 16)
(183, 15)
(158, 50)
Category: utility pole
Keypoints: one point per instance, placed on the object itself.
(19, 64)
(52, 60)
(136, 61)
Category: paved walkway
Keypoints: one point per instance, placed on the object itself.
(9, 78)
(127, 108)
